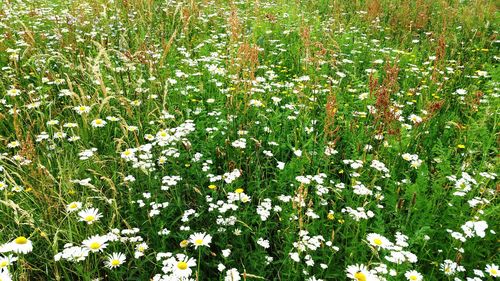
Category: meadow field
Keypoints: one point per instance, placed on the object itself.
(249, 140)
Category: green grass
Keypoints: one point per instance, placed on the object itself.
(260, 107)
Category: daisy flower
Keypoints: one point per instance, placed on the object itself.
(73, 138)
(181, 265)
(98, 123)
(13, 144)
(90, 215)
(128, 154)
(5, 276)
(232, 275)
(360, 272)
(378, 241)
(450, 267)
(52, 122)
(6, 261)
(415, 119)
(140, 249)
(96, 243)
(492, 269)
(112, 118)
(73, 254)
(413, 275)
(21, 245)
(13, 92)
(115, 260)
(82, 109)
(200, 239)
(73, 206)
(70, 125)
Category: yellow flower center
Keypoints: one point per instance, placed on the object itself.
(212, 186)
(182, 265)
(21, 240)
(360, 276)
(115, 262)
(377, 241)
(493, 271)
(73, 206)
(413, 277)
(330, 216)
(3, 264)
(239, 190)
(198, 241)
(95, 245)
(89, 218)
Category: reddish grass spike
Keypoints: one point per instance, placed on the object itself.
(331, 111)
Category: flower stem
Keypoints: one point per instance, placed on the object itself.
(199, 263)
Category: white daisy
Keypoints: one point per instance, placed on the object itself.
(98, 123)
(73, 206)
(128, 154)
(73, 254)
(5, 276)
(13, 92)
(360, 272)
(115, 260)
(140, 249)
(413, 275)
(81, 109)
(181, 265)
(6, 261)
(13, 144)
(112, 118)
(90, 215)
(20, 245)
(96, 243)
(232, 275)
(492, 269)
(200, 239)
(378, 241)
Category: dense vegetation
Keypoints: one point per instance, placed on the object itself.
(249, 140)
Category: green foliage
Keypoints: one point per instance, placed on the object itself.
(310, 126)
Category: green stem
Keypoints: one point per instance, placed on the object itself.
(199, 263)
